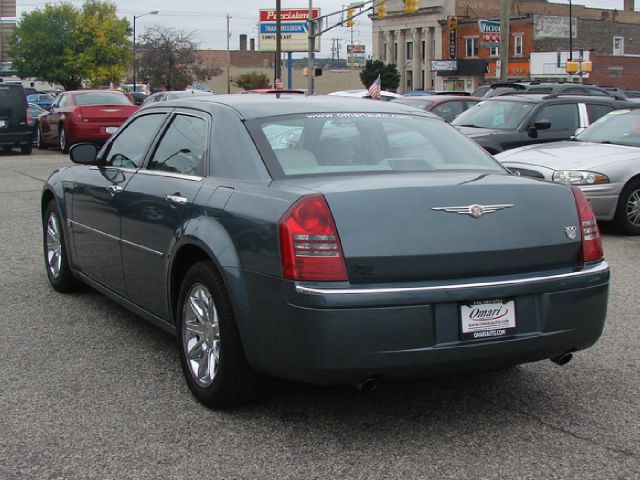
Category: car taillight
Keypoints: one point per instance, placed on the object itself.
(29, 116)
(591, 243)
(76, 115)
(309, 243)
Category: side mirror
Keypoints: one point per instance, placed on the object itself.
(539, 125)
(542, 125)
(85, 153)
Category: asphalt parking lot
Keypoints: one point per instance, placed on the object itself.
(88, 390)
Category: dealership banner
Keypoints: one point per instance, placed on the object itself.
(294, 30)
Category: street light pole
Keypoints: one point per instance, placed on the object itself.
(135, 59)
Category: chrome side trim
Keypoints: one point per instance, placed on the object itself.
(73, 223)
(142, 247)
(599, 268)
(159, 173)
(109, 167)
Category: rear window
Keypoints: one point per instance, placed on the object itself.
(100, 98)
(327, 143)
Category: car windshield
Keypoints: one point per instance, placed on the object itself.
(500, 114)
(621, 127)
(327, 143)
(100, 98)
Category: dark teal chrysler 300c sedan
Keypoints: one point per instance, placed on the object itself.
(326, 240)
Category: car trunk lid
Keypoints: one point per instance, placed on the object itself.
(112, 114)
(422, 226)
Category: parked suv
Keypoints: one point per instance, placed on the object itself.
(15, 121)
(507, 88)
(501, 123)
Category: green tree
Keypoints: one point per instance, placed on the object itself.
(169, 58)
(389, 76)
(252, 80)
(42, 45)
(103, 45)
(66, 45)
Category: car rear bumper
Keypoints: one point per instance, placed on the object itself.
(16, 138)
(345, 334)
(91, 132)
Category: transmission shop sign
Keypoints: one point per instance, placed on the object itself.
(294, 30)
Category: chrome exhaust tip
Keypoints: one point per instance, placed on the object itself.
(562, 359)
(367, 385)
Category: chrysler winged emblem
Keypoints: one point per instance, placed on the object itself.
(476, 211)
(572, 232)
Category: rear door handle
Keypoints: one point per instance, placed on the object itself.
(113, 189)
(176, 200)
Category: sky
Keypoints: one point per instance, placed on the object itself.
(206, 19)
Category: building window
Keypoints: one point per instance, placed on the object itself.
(395, 53)
(409, 51)
(409, 81)
(471, 46)
(618, 45)
(424, 50)
(616, 71)
(518, 50)
(494, 51)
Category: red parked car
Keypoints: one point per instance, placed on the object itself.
(83, 116)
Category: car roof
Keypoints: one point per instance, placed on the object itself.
(259, 106)
(421, 99)
(540, 97)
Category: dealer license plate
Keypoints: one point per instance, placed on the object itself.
(487, 319)
(111, 130)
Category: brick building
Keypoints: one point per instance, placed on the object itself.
(430, 53)
(7, 25)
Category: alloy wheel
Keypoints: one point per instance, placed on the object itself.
(53, 246)
(633, 208)
(63, 140)
(201, 334)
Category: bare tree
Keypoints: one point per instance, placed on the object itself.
(169, 59)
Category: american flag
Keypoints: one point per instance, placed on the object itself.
(278, 84)
(374, 89)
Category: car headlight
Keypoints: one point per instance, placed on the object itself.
(577, 177)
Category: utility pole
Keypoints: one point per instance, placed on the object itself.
(311, 27)
(278, 45)
(505, 17)
(228, 56)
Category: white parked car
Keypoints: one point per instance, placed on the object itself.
(364, 93)
(603, 161)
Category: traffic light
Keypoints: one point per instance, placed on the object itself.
(382, 10)
(350, 12)
(410, 6)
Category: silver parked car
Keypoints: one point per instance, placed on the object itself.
(603, 160)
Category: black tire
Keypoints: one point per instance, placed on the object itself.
(232, 382)
(26, 149)
(63, 141)
(40, 143)
(627, 217)
(60, 277)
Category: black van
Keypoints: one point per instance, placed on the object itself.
(15, 128)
